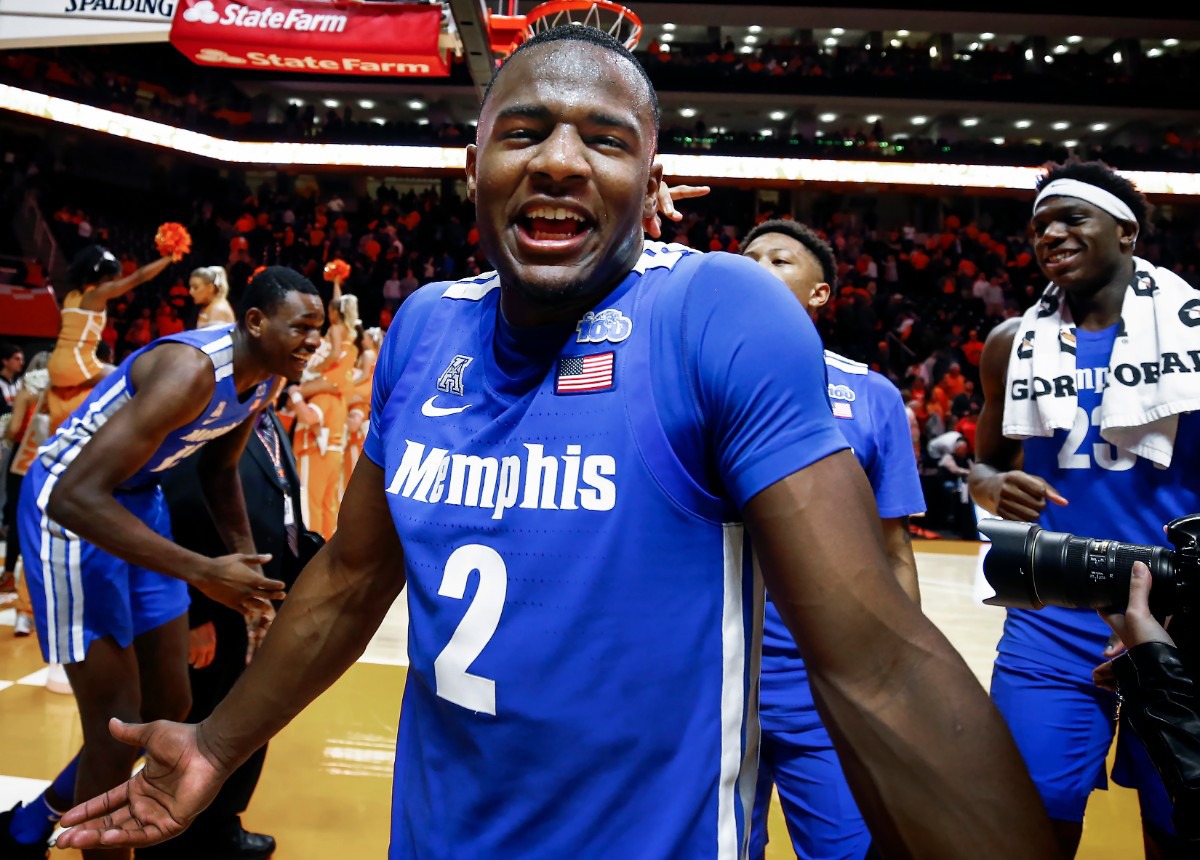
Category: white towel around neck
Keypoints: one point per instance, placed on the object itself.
(1153, 376)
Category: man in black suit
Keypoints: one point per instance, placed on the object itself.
(221, 641)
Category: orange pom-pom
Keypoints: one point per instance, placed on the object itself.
(337, 270)
(173, 240)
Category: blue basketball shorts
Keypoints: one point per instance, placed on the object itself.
(822, 818)
(81, 593)
(1063, 725)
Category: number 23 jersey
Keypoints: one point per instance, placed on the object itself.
(583, 608)
(1111, 494)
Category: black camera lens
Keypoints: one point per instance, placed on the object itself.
(1030, 567)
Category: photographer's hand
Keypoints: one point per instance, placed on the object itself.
(1132, 627)
(1136, 625)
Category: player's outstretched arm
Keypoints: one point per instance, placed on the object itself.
(326, 622)
(996, 481)
(914, 730)
(221, 484)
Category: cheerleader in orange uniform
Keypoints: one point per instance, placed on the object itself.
(322, 405)
(360, 400)
(95, 280)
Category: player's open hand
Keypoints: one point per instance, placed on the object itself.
(666, 205)
(237, 581)
(159, 801)
(1023, 497)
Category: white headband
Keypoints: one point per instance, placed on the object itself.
(1093, 194)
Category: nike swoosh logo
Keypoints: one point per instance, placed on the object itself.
(431, 411)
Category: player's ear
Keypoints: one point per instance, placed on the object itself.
(472, 163)
(650, 203)
(1127, 231)
(255, 322)
(820, 295)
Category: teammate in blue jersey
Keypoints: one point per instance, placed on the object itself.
(797, 754)
(1085, 224)
(108, 585)
(561, 458)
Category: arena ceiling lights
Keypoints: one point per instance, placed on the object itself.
(699, 167)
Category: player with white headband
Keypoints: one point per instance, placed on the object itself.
(1088, 426)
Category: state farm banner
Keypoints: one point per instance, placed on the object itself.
(379, 39)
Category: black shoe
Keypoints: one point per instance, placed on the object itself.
(241, 845)
(249, 846)
(11, 849)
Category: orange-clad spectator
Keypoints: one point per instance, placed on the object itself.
(973, 348)
(169, 323)
(141, 331)
(953, 382)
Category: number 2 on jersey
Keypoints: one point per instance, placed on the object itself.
(451, 678)
(1107, 456)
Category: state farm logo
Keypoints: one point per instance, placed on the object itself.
(216, 55)
(202, 12)
(267, 18)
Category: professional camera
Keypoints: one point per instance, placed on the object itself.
(1030, 567)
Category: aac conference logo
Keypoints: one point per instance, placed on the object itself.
(204, 13)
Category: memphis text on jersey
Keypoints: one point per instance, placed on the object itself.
(1099, 378)
(531, 478)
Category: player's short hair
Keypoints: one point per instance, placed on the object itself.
(92, 265)
(807, 237)
(1102, 176)
(579, 33)
(8, 350)
(270, 287)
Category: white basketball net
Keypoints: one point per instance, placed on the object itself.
(613, 21)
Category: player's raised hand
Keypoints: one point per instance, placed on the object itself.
(666, 205)
(237, 582)
(159, 801)
(1023, 496)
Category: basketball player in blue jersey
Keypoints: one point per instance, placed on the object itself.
(797, 754)
(109, 587)
(1049, 379)
(561, 458)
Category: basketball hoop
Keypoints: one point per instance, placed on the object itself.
(507, 32)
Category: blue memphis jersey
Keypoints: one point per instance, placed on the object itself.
(1111, 494)
(224, 412)
(870, 413)
(583, 607)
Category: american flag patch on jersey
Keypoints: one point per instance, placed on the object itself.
(583, 374)
(841, 409)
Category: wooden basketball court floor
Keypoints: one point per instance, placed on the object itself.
(325, 789)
